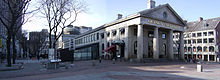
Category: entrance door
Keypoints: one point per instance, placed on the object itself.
(163, 52)
(122, 51)
(150, 49)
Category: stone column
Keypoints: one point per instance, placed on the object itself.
(170, 45)
(126, 43)
(182, 54)
(105, 41)
(140, 40)
(100, 44)
(156, 44)
(208, 57)
(202, 57)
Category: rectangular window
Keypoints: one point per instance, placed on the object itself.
(102, 35)
(122, 31)
(199, 40)
(193, 34)
(204, 33)
(189, 41)
(194, 40)
(97, 36)
(185, 41)
(211, 40)
(199, 34)
(114, 32)
(164, 36)
(204, 40)
(211, 33)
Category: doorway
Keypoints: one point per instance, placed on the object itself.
(150, 49)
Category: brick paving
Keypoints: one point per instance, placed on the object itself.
(86, 70)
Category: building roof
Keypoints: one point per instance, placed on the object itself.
(136, 15)
(208, 24)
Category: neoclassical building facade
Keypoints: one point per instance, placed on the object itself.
(145, 34)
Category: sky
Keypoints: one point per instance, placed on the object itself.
(104, 11)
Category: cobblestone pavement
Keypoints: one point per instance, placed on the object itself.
(93, 70)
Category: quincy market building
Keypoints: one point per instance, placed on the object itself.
(146, 34)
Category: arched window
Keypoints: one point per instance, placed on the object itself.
(189, 49)
(185, 49)
(199, 49)
(211, 49)
(205, 49)
(194, 49)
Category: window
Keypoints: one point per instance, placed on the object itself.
(199, 40)
(189, 49)
(97, 36)
(194, 35)
(211, 40)
(185, 49)
(204, 33)
(108, 44)
(102, 35)
(108, 34)
(194, 41)
(189, 41)
(199, 49)
(164, 15)
(205, 49)
(194, 49)
(185, 41)
(135, 32)
(204, 40)
(199, 34)
(206, 24)
(94, 37)
(164, 36)
(211, 49)
(122, 30)
(211, 33)
(150, 34)
(114, 32)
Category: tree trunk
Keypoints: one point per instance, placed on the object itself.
(8, 42)
(50, 38)
(14, 48)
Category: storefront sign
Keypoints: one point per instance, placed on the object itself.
(161, 23)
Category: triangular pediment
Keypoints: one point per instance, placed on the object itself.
(163, 13)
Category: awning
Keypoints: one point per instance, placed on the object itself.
(111, 48)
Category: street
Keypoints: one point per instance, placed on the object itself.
(93, 70)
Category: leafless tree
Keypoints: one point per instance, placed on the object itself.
(12, 17)
(59, 14)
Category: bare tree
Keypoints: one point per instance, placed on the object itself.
(59, 14)
(12, 18)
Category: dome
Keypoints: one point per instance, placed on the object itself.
(71, 30)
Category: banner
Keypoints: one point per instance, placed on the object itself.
(1, 43)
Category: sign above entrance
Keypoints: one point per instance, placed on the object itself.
(162, 23)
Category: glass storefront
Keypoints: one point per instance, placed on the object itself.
(86, 53)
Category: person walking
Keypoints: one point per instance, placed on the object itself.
(100, 59)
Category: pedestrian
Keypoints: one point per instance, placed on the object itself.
(100, 59)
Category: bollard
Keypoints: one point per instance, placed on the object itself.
(113, 61)
(199, 68)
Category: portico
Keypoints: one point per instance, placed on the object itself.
(154, 42)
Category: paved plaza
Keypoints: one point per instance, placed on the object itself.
(93, 70)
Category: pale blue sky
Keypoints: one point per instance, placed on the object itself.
(104, 11)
